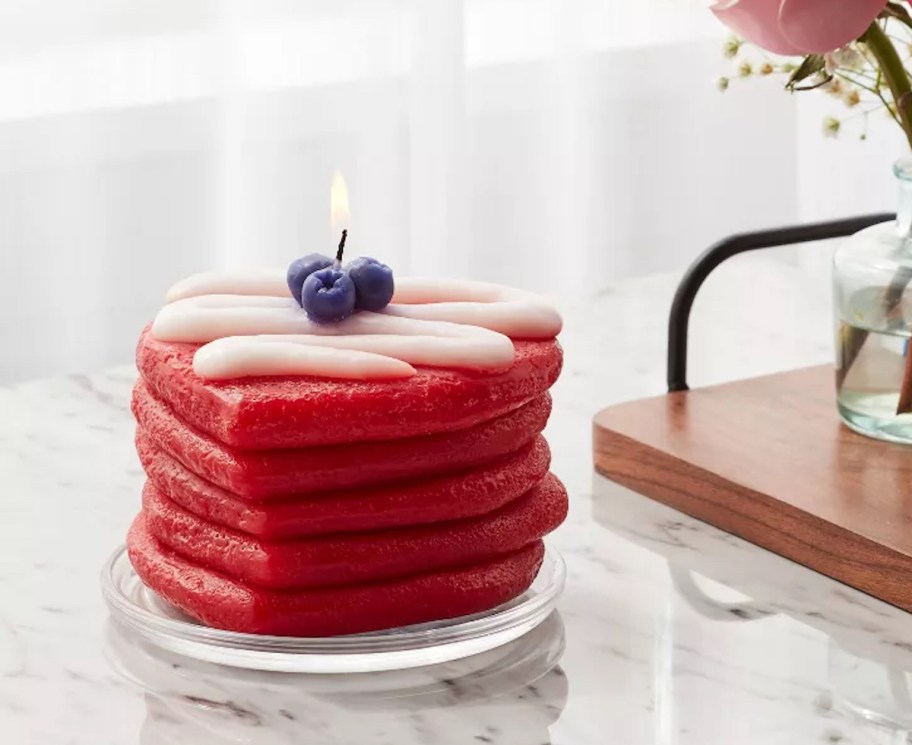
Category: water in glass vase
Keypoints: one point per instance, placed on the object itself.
(868, 390)
(872, 290)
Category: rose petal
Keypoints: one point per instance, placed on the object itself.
(757, 21)
(824, 25)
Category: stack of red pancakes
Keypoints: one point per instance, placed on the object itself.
(305, 506)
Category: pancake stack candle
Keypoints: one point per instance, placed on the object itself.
(329, 451)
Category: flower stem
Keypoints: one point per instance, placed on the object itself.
(894, 74)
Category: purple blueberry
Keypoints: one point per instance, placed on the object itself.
(301, 269)
(373, 283)
(328, 296)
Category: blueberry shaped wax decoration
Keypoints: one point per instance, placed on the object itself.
(301, 269)
(328, 295)
(373, 283)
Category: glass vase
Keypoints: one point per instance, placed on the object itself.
(872, 272)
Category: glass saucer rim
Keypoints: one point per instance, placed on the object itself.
(426, 636)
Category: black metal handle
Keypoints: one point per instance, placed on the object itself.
(679, 318)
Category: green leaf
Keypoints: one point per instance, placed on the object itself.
(810, 65)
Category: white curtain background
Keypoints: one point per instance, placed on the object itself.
(558, 145)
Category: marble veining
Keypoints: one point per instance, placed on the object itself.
(669, 631)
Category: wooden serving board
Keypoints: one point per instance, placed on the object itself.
(768, 460)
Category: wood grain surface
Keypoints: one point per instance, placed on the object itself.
(768, 460)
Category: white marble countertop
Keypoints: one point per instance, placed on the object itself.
(669, 631)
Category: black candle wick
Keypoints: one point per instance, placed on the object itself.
(341, 246)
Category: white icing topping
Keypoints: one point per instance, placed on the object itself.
(249, 326)
(240, 356)
(250, 281)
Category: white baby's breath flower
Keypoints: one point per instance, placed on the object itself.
(745, 70)
(847, 58)
(831, 126)
(767, 68)
(722, 83)
(834, 87)
(731, 47)
(852, 98)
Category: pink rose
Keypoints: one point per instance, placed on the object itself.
(798, 26)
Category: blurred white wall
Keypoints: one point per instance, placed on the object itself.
(553, 144)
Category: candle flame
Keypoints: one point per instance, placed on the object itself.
(339, 214)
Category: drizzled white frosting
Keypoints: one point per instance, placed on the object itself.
(249, 325)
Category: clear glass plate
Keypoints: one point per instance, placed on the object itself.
(517, 688)
(480, 677)
(141, 610)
